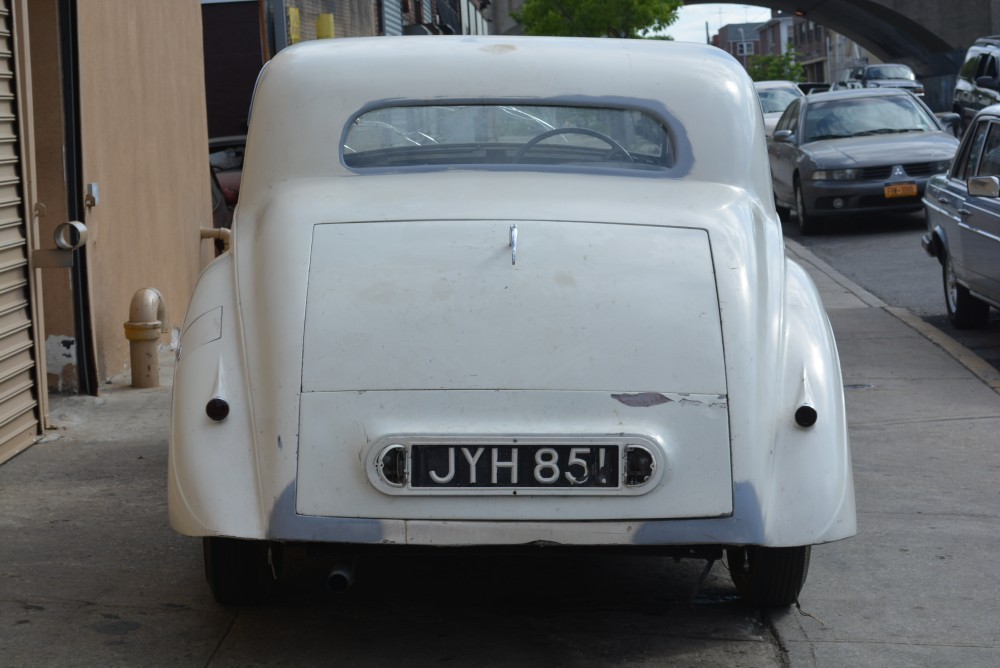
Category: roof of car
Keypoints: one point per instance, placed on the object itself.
(775, 84)
(992, 110)
(309, 93)
(848, 93)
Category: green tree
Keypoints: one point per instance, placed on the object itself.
(596, 18)
(770, 67)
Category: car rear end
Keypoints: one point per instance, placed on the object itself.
(578, 328)
(452, 374)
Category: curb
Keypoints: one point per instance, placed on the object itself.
(807, 255)
(979, 367)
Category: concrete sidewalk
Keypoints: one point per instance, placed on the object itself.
(919, 584)
(90, 573)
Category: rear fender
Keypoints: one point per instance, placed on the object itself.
(213, 485)
(939, 243)
(811, 499)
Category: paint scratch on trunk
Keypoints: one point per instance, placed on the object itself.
(649, 399)
(642, 399)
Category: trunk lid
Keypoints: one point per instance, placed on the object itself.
(599, 338)
(440, 305)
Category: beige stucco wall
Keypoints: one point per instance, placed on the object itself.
(144, 143)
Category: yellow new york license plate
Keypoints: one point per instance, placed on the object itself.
(901, 190)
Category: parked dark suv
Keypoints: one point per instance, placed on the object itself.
(885, 75)
(978, 82)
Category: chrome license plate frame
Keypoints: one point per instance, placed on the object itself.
(516, 466)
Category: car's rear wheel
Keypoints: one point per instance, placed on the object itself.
(769, 577)
(964, 310)
(783, 211)
(241, 571)
(808, 225)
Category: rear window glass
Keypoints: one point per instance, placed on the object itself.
(776, 100)
(890, 72)
(505, 134)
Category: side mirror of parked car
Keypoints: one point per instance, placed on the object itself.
(784, 136)
(993, 83)
(984, 186)
(952, 122)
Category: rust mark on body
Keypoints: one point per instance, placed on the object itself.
(499, 48)
(648, 399)
(642, 399)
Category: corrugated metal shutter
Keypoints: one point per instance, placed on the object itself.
(19, 419)
(392, 17)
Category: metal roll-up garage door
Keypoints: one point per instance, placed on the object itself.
(19, 412)
(392, 17)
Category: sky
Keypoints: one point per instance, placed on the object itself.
(690, 25)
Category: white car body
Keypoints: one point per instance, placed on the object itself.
(365, 309)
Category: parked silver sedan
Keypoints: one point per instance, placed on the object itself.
(775, 96)
(963, 223)
(856, 151)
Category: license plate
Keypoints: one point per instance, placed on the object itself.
(901, 190)
(515, 466)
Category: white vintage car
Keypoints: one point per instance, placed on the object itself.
(525, 292)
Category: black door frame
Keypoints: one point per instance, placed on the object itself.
(69, 62)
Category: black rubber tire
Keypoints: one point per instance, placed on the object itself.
(964, 310)
(784, 213)
(240, 572)
(808, 225)
(769, 577)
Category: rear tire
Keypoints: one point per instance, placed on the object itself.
(964, 310)
(769, 577)
(784, 213)
(241, 571)
(808, 225)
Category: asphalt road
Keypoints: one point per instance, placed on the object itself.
(882, 254)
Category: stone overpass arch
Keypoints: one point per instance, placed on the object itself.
(930, 36)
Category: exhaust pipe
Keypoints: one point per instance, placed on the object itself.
(341, 577)
(805, 413)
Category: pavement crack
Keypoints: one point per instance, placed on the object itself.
(218, 646)
(783, 655)
(896, 643)
(891, 513)
(881, 423)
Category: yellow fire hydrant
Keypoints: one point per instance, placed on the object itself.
(147, 320)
